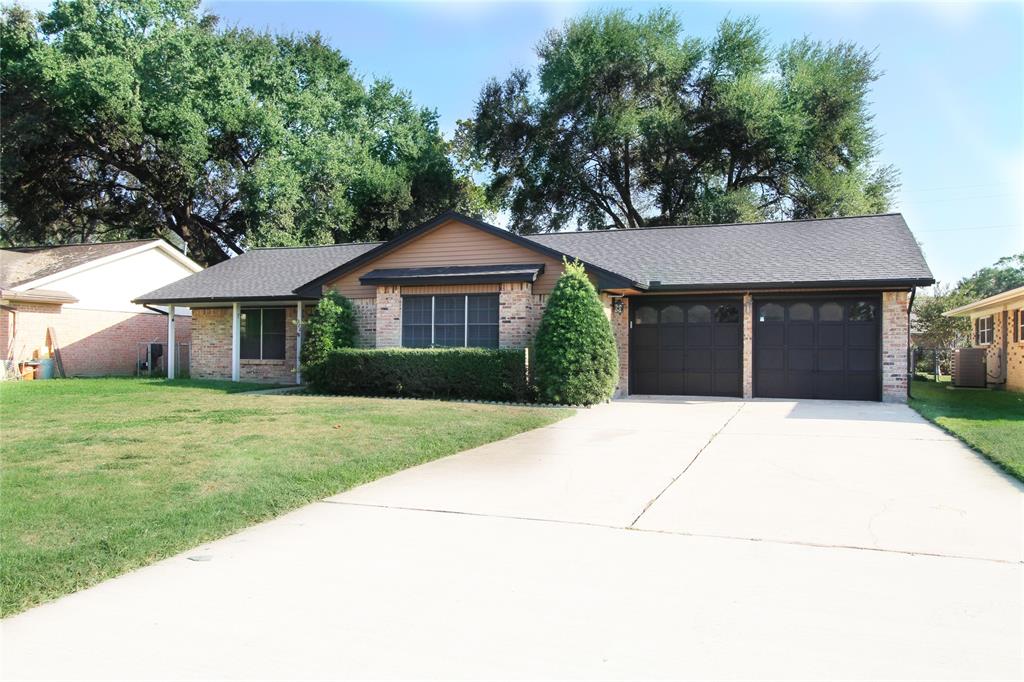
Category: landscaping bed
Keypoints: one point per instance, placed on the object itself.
(992, 422)
(100, 476)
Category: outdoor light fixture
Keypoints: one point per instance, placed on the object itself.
(617, 305)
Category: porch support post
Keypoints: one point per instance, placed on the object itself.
(172, 347)
(236, 342)
(298, 343)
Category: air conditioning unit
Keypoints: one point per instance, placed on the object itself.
(969, 368)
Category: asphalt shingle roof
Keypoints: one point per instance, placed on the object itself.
(259, 274)
(19, 265)
(865, 249)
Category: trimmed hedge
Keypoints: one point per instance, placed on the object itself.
(461, 373)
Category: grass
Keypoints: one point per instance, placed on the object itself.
(992, 422)
(100, 476)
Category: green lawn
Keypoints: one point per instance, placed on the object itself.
(99, 476)
(992, 422)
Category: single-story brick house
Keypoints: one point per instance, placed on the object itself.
(804, 308)
(84, 292)
(998, 327)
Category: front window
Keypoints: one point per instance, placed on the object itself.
(446, 321)
(1020, 324)
(262, 334)
(983, 330)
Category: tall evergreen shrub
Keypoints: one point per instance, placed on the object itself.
(576, 359)
(331, 326)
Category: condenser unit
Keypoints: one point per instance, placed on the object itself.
(969, 368)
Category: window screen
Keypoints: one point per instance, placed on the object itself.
(449, 321)
(416, 321)
(262, 333)
(482, 327)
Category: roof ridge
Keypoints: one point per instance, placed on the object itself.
(309, 246)
(39, 247)
(690, 227)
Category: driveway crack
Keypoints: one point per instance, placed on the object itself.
(687, 467)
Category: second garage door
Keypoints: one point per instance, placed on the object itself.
(817, 348)
(686, 347)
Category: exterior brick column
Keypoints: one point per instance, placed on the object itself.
(516, 318)
(748, 346)
(894, 346)
(620, 329)
(389, 317)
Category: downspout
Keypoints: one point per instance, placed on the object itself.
(12, 331)
(910, 351)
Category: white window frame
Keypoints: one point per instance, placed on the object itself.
(1020, 325)
(984, 336)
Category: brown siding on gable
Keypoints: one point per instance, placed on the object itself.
(451, 243)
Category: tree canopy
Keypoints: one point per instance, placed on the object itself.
(627, 123)
(138, 118)
(933, 330)
(1007, 273)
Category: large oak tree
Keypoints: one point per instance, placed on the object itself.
(627, 123)
(135, 118)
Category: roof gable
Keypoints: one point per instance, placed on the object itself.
(409, 238)
(34, 266)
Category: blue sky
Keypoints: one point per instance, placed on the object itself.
(950, 107)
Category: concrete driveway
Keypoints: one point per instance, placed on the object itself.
(641, 539)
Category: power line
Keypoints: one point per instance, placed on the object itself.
(967, 198)
(977, 227)
(943, 189)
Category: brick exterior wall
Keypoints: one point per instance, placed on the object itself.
(994, 369)
(366, 321)
(389, 317)
(517, 320)
(211, 343)
(1004, 357)
(92, 342)
(748, 346)
(1014, 358)
(894, 346)
(211, 348)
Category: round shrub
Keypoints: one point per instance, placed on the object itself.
(577, 362)
(331, 326)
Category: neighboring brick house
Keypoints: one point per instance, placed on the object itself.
(997, 325)
(84, 293)
(806, 308)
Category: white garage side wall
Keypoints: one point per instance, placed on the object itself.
(112, 285)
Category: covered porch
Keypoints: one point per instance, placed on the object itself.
(243, 340)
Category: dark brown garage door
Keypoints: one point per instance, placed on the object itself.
(817, 348)
(686, 347)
